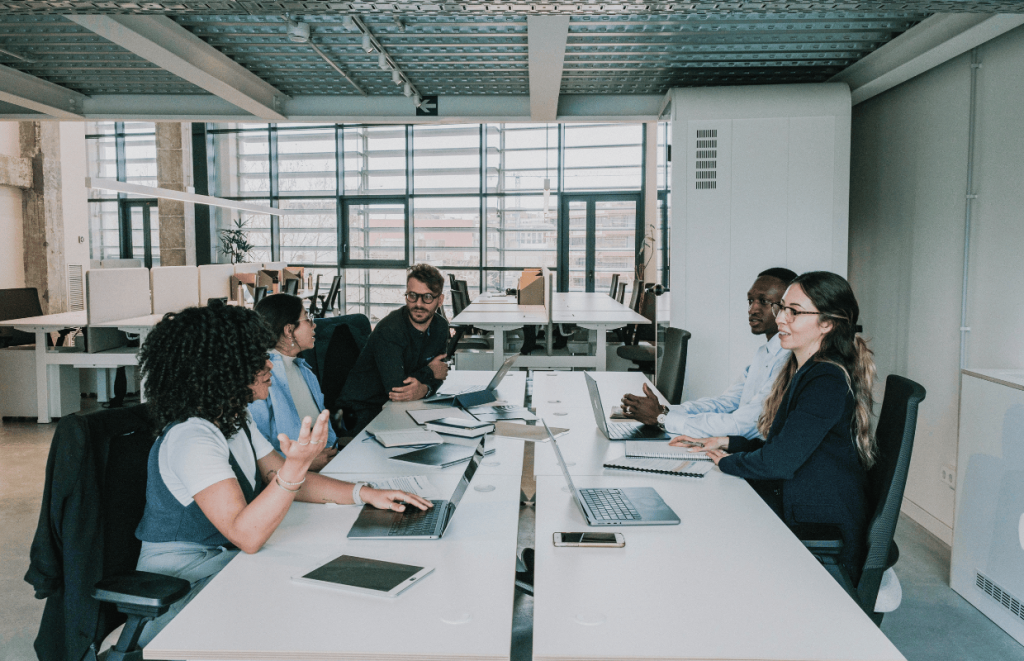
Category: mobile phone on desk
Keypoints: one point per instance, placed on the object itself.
(593, 539)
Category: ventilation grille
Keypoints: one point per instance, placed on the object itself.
(706, 162)
(1002, 597)
(76, 295)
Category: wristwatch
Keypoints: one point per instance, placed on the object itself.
(663, 416)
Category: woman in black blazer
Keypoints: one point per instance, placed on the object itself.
(812, 466)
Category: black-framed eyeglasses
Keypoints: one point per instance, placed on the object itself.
(787, 313)
(427, 298)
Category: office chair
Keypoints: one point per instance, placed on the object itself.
(673, 364)
(327, 302)
(613, 292)
(84, 551)
(887, 479)
(342, 352)
(290, 287)
(316, 292)
(642, 355)
(621, 295)
(259, 294)
(18, 304)
(464, 334)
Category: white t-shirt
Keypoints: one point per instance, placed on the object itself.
(195, 455)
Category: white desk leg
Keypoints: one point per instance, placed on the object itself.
(548, 337)
(499, 347)
(602, 353)
(42, 385)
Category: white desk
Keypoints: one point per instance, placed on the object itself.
(594, 311)
(563, 400)
(463, 610)
(729, 582)
(41, 326)
(364, 455)
(140, 326)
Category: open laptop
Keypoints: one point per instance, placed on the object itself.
(415, 523)
(621, 431)
(474, 396)
(609, 506)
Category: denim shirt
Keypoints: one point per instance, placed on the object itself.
(277, 414)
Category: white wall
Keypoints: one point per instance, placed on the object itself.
(12, 261)
(781, 199)
(908, 181)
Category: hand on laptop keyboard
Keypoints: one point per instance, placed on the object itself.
(393, 500)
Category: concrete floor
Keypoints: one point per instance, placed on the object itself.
(932, 624)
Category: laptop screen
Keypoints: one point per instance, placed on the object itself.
(565, 469)
(502, 371)
(474, 463)
(595, 403)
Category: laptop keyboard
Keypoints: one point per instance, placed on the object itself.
(627, 430)
(609, 504)
(415, 521)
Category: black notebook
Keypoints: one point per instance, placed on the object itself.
(684, 468)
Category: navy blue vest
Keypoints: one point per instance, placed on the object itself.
(165, 519)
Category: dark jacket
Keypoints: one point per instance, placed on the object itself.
(86, 525)
(395, 351)
(808, 469)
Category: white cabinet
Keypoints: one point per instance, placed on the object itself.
(987, 567)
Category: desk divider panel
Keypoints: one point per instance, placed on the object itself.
(174, 288)
(275, 266)
(110, 295)
(248, 268)
(214, 281)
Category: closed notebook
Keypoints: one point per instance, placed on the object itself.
(648, 450)
(662, 466)
(407, 437)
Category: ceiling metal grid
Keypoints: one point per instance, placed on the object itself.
(259, 7)
(57, 50)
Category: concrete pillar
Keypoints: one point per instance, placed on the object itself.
(174, 171)
(43, 215)
(652, 240)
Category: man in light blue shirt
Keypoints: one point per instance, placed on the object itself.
(734, 412)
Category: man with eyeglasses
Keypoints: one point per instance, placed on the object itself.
(734, 412)
(404, 356)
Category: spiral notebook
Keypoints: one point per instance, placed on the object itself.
(648, 450)
(662, 466)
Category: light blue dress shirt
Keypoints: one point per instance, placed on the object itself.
(277, 414)
(734, 412)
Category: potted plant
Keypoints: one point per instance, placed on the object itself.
(235, 242)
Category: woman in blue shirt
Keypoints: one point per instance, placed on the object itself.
(812, 467)
(294, 390)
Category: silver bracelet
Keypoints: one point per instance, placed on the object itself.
(355, 492)
(277, 481)
(291, 484)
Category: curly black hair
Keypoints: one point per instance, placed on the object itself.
(200, 363)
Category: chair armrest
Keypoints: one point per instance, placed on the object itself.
(140, 592)
(819, 538)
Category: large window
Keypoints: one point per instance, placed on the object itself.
(478, 201)
(123, 151)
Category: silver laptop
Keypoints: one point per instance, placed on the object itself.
(474, 395)
(415, 523)
(621, 431)
(609, 506)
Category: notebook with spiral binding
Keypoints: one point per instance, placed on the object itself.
(662, 466)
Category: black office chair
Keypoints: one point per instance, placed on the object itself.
(18, 304)
(642, 355)
(613, 292)
(327, 302)
(290, 287)
(673, 364)
(621, 295)
(84, 551)
(464, 335)
(259, 294)
(342, 353)
(894, 434)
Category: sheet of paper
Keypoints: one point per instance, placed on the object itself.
(417, 484)
(423, 416)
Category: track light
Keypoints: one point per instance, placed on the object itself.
(417, 101)
(298, 32)
(347, 21)
(382, 62)
(396, 77)
(408, 89)
(367, 46)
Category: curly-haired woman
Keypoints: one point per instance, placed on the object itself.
(294, 390)
(205, 495)
(812, 465)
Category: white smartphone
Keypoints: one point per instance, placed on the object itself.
(595, 539)
(364, 575)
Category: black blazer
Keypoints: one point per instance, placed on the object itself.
(809, 460)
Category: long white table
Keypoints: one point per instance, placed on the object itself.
(365, 455)
(594, 311)
(463, 610)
